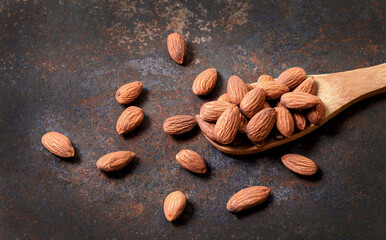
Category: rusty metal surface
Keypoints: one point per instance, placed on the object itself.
(62, 61)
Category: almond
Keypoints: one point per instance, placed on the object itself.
(316, 114)
(266, 105)
(177, 47)
(128, 92)
(179, 124)
(115, 161)
(211, 111)
(284, 121)
(205, 82)
(238, 140)
(247, 198)
(236, 89)
(273, 89)
(227, 126)
(252, 102)
(292, 77)
(300, 121)
(299, 164)
(129, 120)
(243, 123)
(174, 205)
(299, 100)
(308, 86)
(249, 87)
(192, 161)
(224, 98)
(265, 78)
(261, 125)
(58, 144)
(206, 128)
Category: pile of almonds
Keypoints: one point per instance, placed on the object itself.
(252, 110)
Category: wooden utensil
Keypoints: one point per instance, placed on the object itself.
(338, 91)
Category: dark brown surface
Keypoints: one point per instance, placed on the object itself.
(62, 61)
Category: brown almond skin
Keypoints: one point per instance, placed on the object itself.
(205, 82)
(179, 124)
(192, 161)
(308, 86)
(227, 126)
(58, 144)
(206, 128)
(236, 89)
(174, 205)
(128, 92)
(115, 161)
(129, 120)
(224, 98)
(249, 87)
(211, 111)
(284, 121)
(177, 47)
(292, 77)
(243, 123)
(248, 198)
(299, 164)
(273, 89)
(252, 102)
(265, 78)
(260, 125)
(298, 100)
(266, 105)
(317, 114)
(300, 121)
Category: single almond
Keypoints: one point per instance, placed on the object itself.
(129, 120)
(58, 144)
(299, 164)
(292, 77)
(205, 82)
(206, 128)
(317, 114)
(174, 205)
(299, 100)
(284, 121)
(249, 87)
(224, 98)
(273, 89)
(177, 47)
(300, 120)
(115, 161)
(128, 92)
(211, 111)
(236, 89)
(260, 125)
(243, 123)
(308, 86)
(227, 126)
(247, 198)
(192, 161)
(252, 102)
(265, 78)
(179, 124)
(266, 105)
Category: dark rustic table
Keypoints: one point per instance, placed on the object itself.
(62, 61)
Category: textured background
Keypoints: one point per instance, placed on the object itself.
(62, 61)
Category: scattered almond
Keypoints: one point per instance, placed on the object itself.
(299, 100)
(252, 102)
(211, 111)
(58, 144)
(261, 125)
(115, 161)
(273, 89)
(227, 126)
(300, 121)
(308, 86)
(129, 120)
(177, 47)
(179, 124)
(292, 77)
(224, 98)
(265, 78)
(316, 115)
(191, 161)
(128, 92)
(284, 121)
(236, 89)
(206, 128)
(205, 82)
(174, 205)
(299, 164)
(247, 198)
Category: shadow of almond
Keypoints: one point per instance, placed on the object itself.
(186, 215)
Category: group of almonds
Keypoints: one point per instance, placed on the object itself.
(245, 108)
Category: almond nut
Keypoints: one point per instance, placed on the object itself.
(284, 121)
(266, 105)
(265, 78)
(317, 114)
(273, 89)
(128, 92)
(224, 98)
(206, 128)
(249, 87)
(211, 111)
(177, 47)
(236, 89)
(292, 77)
(260, 125)
(300, 120)
(299, 100)
(243, 123)
(227, 125)
(174, 205)
(308, 86)
(299, 164)
(205, 82)
(129, 120)
(252, 102)
(115, 161)
(247, 198)
(179, 124)
(58, 144)
(191, 161)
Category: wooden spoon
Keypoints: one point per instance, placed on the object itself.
(338, 91)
